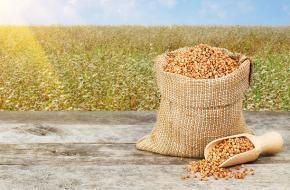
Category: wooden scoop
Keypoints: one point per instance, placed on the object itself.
(269, 143)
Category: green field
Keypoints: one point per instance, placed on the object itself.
(110, 68)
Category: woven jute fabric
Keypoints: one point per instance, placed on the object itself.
(193, 112)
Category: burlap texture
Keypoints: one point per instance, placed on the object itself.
(194, 112)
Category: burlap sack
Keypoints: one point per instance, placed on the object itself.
(194, 112)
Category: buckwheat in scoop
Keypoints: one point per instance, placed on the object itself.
(201, 62)
(221, 152)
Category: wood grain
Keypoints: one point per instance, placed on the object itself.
(96, 150)
(98, 154)
(48, 177)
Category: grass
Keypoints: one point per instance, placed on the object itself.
(111, 68)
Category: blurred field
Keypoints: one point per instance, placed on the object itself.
(110, 68)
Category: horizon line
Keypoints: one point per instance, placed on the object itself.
(146, 25)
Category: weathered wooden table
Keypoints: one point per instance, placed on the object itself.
(96, 150)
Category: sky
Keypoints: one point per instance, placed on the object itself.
(145, 12)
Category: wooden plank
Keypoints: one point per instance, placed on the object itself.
(98, 154)
(11, 133)
(28, 127)
(270, 176)
(66, 133)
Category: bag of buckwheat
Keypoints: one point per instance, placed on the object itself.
(201, 88)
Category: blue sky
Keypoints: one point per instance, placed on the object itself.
(145, 12)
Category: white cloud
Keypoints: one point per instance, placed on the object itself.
(213, 9)
(5, 11)
(45, 12)
(22, 12)
(168, 3)
(121, 8)
(224, 8)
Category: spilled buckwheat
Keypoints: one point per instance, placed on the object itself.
(201, 62)
(221, 152)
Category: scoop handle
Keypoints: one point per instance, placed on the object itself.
(270, 143)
